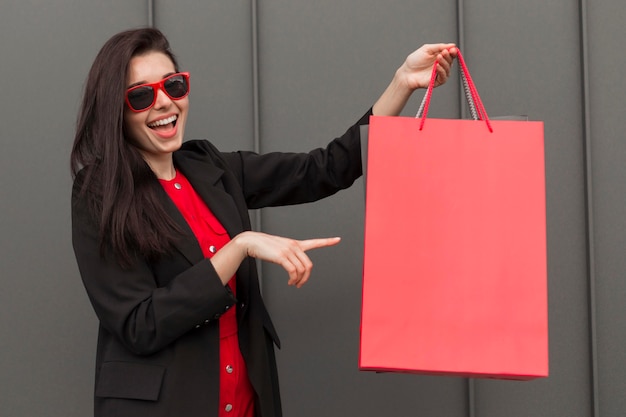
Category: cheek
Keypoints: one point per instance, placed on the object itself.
(133, 123)
(183, 105)
(183, 110)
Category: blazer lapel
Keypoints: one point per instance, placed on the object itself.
(205, 179)
(208, 181)
(188, 245)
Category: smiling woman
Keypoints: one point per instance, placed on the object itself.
(163, 240)
(158, 128)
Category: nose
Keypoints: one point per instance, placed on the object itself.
(162, 99)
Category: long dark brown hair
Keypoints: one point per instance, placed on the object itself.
(120, 189)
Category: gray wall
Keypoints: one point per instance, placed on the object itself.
(291, 75)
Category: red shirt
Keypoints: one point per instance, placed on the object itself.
(236, 393)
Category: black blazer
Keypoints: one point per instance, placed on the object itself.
(158, 341)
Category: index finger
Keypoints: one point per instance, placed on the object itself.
(309, 244)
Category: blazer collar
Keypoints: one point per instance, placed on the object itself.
(205, 179)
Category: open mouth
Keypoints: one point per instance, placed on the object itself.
(164, 124)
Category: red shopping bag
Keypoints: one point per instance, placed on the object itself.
(454, 273)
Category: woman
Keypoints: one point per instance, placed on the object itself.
(162, 235)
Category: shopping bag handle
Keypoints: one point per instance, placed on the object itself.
(468, 96)
(477, 109)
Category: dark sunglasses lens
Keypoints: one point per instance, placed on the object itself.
(141, 98)
(176, 86)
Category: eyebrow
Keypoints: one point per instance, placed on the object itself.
(146, 82)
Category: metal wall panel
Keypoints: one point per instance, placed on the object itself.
(320, 66)
(526, 59)
(47, 327)
(213, 40)
(608, 152)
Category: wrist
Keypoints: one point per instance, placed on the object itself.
(402, 80)
(393, 99)
(240, 245)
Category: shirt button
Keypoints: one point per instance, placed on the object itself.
(177, 186)
(229, 369)
(212, 249)
(228, 408)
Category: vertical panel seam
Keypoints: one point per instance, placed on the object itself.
(255, 76)
(460, 15)
(256, 130)
(590, 231)
(151, 13)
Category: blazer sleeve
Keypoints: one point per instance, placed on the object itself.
(143, 315)
(278, 179)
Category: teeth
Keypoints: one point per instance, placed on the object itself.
(163, 122)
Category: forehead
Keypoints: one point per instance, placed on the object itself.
(149, 67)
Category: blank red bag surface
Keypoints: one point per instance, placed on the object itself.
(454, 273)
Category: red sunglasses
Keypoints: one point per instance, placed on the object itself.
(142, 97)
